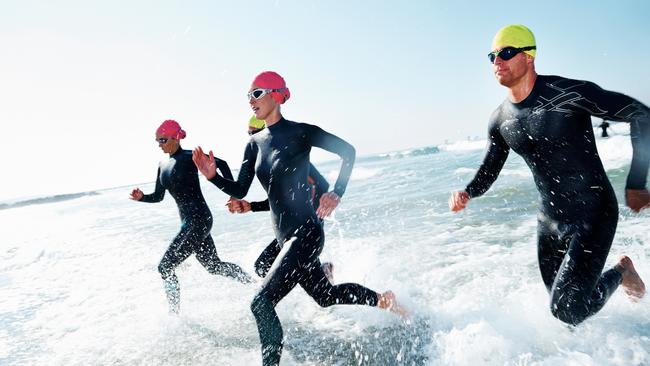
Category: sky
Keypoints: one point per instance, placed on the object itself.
(84, 84)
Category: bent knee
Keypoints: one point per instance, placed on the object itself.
(568, 312)
(261, 305)
(165, 270)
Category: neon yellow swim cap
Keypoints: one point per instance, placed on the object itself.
(515, 35)
(255, 123)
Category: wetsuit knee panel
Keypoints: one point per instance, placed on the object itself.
(260, 303)
(165, 269)
(568, 313)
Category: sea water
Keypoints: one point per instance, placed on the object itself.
(79, 283)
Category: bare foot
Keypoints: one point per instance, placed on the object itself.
(328, 268)
(388, 301)
(632, 282)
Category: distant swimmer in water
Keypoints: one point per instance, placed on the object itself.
(279, 156)
(546, 120)
(604, 126)
(319, 186)
(179, 176)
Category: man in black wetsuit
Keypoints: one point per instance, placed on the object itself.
(546, 120)
(179, 176)
(279, 156)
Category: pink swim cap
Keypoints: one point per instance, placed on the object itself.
(171, 128)
(272, 80)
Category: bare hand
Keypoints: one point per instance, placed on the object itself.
(204, 163)
(244, 206)
(328, 203)
(238, 206)
(637, 199)
(136, 194)
(458, 200)
(233, 205)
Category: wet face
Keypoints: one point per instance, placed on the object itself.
(263, 106)
(167, 144)
(509, 73)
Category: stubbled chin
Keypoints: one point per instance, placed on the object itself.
(501, 80)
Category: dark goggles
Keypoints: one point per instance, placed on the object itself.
(507, 53)
(162, 140)
(260, 92)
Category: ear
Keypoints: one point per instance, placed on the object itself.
(529, 59)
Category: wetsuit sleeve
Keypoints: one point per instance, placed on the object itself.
(325, 140)
(223, 167)
(239, 188)
(495, 156)
(157, 195)
(320, 183)
(619, 107)
(260, 206)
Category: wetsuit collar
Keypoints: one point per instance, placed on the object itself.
(178, 151)
(530, 99)
(276, 124)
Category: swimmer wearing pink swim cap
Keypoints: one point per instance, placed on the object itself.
(279, 156)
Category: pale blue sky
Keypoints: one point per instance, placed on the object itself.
(84, 84)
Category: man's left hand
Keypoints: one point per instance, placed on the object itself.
(637, 199)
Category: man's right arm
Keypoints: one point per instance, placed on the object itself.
(495, 156)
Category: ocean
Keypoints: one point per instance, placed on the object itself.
(79, 283)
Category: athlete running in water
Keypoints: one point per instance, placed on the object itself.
(319, 186)
(179, 176)
(279, 156)
(546, 120)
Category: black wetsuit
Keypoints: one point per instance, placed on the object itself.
(279, 155)
(551, 129)
(268, 255)
(179, 176)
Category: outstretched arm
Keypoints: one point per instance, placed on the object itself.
(620, 107)
(334, 144)
(157, 195)
(496, 154)
(207, 165)
(223, 167)
(325, 140)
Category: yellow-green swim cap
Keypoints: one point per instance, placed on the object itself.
(255, 123)
(515, 35)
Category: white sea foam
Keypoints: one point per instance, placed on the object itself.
(79, 283)
(615, 152)
(464, 145)
(358, 174)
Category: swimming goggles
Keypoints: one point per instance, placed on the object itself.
(162, 140)
(259, 92)
(507, 53)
